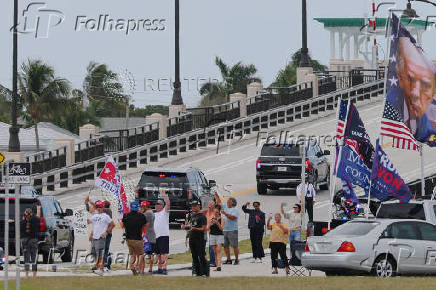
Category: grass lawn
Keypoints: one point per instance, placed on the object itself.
(192, 283)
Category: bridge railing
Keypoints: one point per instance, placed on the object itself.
(200, 138)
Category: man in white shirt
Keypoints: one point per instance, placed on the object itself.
(306, 195)
(162, 231)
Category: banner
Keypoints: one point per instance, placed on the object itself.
(349, 191)
(386, 182)
(352, 168)
(80, 223)
(409, 114)
(110, 180)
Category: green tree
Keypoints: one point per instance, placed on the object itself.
(288, 76)
(234, 80)
(42, 92)
(148, 110)
(5, 105)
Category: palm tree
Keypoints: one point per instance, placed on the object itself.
(235, 80)
(5, 104)
(42, 92)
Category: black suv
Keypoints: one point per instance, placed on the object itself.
(56, 232)
(182, 185)
(279, 166)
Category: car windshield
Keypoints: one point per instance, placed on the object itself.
(353, 229)
(274, 150)
(164, 179)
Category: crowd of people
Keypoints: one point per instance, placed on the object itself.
(207, 230)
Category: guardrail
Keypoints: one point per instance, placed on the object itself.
(199, 138)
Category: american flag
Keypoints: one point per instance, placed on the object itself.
(340, 128)
(392, 125)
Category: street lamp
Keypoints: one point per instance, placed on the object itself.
(14, 141)
(177, 94)
(304, 61)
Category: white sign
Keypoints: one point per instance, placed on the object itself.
(19, 179)
(19, 173)
(80, 223)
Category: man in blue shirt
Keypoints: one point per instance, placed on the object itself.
(230, 231)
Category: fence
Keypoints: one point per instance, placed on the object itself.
(207, 116)
(201, 138)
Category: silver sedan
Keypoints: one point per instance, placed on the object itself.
(383, 247)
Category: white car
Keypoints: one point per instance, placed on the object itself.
(383, 247)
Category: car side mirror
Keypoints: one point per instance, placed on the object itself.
(68, 212)
(326, 152)
(212, 183)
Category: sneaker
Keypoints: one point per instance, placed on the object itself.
(159, 272)
(164, 272)
(259, 261)
(106, 269)
(204, 276)
(212, 265)
(236, 262)
(218, 269)
(252, 261)
(228, 262)
(98, 272)
(94, 268)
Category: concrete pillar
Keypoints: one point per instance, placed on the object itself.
(254, 89)
(175, 110)
(163, 123)
(314, 79)
(14, 156)
(356, 46)
(70, 148)
(332, 45)
(341, 45)
(242, 98)
(347, 47)
(302, 73)
(86, 131)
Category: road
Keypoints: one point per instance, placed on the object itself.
(234, 170)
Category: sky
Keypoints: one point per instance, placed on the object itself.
(263, 33)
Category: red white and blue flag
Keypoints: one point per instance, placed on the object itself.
(110, 180)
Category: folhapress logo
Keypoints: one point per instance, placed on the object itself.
(38, 20)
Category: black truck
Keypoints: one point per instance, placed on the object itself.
(280, 166)
(56, 232)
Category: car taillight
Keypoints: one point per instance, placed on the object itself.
(308, 165)
(42, 226)
(189, 191)
(306, 248)
(324, 230)
(258, 164)
(346, 247)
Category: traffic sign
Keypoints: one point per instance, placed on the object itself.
(19, 173)
(2, 158)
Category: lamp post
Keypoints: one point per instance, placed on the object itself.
(177, 93)
(304, 61)
(14, 141)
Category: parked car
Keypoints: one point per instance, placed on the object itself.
(280, 166)
(181, 184)
(416, 209)
(382, 247)
(56, 232)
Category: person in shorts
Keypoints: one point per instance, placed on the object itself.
(149, 233)
(102, 225)
(133, 223)
(230, 230)
(215, 226)
(162, 231)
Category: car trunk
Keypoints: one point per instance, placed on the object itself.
(323, 245)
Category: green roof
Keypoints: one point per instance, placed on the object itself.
(359, 22)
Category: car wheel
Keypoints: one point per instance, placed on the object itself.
(262, 189)
(327, 180)
(384, 266)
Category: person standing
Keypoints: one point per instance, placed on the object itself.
(256, 224)
(29, 228)
(102, 225)
(230, 230)
(294, 218)
(215, 226)
(306, 195)
(197, 229)
(133, 222)
(149, 232)
(162, 231)
(278, 241)
(210, 213)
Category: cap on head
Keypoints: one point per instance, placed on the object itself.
(99, 204)
(160, 202)
(145, 203)
(134, 206)
(195, 202)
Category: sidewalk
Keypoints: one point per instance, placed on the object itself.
(244, 269)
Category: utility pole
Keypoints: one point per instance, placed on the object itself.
(14, 141)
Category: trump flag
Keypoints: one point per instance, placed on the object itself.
(386, 182)
(110, 180)
(409, 114)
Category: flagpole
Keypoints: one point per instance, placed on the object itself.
(337, 155)
(421, 155)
